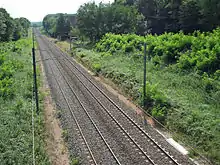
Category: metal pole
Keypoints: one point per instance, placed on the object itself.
(70, 44)
(35, 76)
(145, 72)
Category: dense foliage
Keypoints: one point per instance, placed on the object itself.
(140, 17)
(16, 82)
(147, 17)
(12, 29)
(8, 68)
(94, 20)
(200, 51)
(175, 15)
(57, 25)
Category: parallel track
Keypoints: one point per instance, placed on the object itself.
(77, 122)
(150, 159)
(121, 111)
(125, 132)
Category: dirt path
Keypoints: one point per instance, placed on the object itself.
(55, 146)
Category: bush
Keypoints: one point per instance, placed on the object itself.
(186, 69)
(96, 67)
(8, 66)
(200, 50)
(75, 161)
(157, 103)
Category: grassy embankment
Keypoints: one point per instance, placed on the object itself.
(183, 80)
(16, 106)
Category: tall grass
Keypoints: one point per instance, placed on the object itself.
(16, 107)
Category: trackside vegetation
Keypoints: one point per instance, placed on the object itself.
(183, 87)
(16, 82)
(16, 91)
(200, 51)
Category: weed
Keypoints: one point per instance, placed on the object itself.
(96, 67)
(65, 135)
(75, 161)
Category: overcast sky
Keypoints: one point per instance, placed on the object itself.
(35, 10)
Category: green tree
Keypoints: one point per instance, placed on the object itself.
(25, 23)
(18, 30)
(95, 20)
(3, 26)
(173, 8)
(125, 19)
(49, 24)
(161, 18)
(62, 26)
(7, 25)
(57, 25)
(148, 9)
(86, 19)
(210, 10)
(155, 14)
(189, 16)
(12, 29)
(141, 17)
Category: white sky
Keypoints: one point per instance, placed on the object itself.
(35, 10)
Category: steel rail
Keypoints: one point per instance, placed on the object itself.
(86, 111)
(120, 110)
(113, 118)
(70, 109)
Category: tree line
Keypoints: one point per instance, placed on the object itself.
(140, 17)
(12, 29)
(57, 25)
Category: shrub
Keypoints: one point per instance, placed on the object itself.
(96, 67)
(157, 103)
(200, 50)
(75, 161)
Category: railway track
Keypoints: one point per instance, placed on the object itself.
(143, 155)
(92, 157)
(149, 150)
(76, 121)
(125, 127)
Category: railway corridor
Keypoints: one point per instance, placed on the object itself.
(99, 129)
